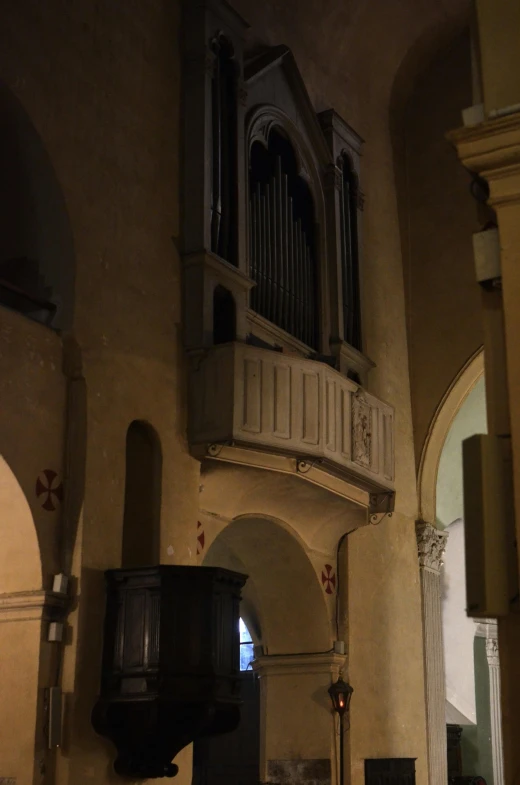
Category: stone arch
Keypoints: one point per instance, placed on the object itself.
(455, 396)
(37, 266)
(20, 560)
(283, 605)
(420, 54)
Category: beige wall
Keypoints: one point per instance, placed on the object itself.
(498, 25)
(385, 646)
(20, 643)
(437, 218)
(101, 85)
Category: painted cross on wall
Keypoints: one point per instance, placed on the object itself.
(328, 579)
(49, 489)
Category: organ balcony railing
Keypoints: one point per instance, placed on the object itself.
(251, 397)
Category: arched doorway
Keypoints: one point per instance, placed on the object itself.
(473, 745)
(285, 619)
(234, 758)
(472, 706)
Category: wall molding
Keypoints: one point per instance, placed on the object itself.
(31, 606)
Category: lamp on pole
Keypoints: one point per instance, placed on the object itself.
(340, 694)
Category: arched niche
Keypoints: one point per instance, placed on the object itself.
(37, 268)
(283, 602)
(20, 560)
(143, 482)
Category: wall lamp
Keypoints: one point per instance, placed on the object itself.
(340, 694)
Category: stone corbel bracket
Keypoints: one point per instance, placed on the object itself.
(381, 505)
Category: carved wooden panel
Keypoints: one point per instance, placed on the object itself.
(282, 401)
(252, 418)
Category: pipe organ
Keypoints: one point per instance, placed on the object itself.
(282, 254)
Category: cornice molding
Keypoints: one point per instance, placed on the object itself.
(492, 149)
(31, 605)
(298, 664)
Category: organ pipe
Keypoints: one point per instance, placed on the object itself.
(283, 262)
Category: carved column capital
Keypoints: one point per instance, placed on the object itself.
(492, 652)
(431, 543)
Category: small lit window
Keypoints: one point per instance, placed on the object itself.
(246, 647)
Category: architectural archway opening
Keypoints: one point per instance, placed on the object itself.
(471, 663)
(37, 269)
(285, 625)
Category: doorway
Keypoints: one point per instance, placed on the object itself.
(234, 758)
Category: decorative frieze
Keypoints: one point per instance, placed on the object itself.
(431, 543)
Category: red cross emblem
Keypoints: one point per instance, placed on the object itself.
(200, 538)
(50, 488)
(328, 578)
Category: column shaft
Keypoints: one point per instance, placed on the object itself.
(431, 544)
(495, 710)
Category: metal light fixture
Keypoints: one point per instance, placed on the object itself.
(340, 694)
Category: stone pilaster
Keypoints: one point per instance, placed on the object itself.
(430, 545)
(487, 629)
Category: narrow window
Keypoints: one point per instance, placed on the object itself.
(224, 316)
(283, 241)
(246, 646)
(141, 522)
(224, 164)
(350, 257)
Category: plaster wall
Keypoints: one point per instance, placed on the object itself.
(20, 643)
(470, 419)
(100, 83)
(458, 630)
(310, 730)
(437, 218)
(385, 647)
